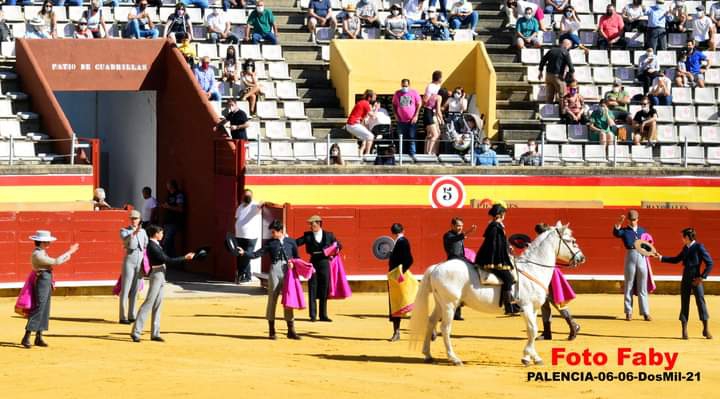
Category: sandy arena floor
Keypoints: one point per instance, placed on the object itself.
(217, 348)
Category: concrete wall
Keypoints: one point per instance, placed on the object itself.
(126, 123)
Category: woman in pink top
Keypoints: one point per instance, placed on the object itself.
(355, 123)
(432, 117)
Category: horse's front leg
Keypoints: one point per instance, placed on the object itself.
(447, 317)
(430, 330)
(529, 354)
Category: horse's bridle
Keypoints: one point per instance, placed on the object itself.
(573, 261)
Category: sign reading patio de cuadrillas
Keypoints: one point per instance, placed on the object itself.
(78, 65)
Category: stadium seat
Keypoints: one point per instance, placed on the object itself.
(677, 39)
(430, 158)
(635, 40)
(294, 110)
(710, 134)
(705, 95)
(619, 153)
(463, 35)
(598, 57)
(286, 90)
(595, 153)
(581, 6)
(666, 134)
(682, 95)
(325, 53)
(634, 91)
(665, 113)
(666, 58)
(530, 56)
(714, 57)
(253, 130)
(450, 158)
(695, 155)
(349, 150)
(260, 70)
(603, 75)
(712, 76)
(689, 132)
(549, 112)
(627, 75)
(539, 93)
(518, 150)
(670, 154)
(577, 133)
(589, 93)
(599, 6)
(588, 39)
(571, 153)
(707, 114)
(207, 50)
(304, 151)
(275, 130)
(244, 106)
(272, 52)
(713, 155)
(370, 33)
(640, 154)
(10, 127)
(278, 70)
(267, 110)
(620, 58)
(264, 151)
(685, 114)
(121, 13)
(583, 74)
(282, 151)
(267, 89)
(550, 153)
(578, 57)
(532, 72)
(13, 13)
(199, 31)
(587, 22)
(236, 16)
(301, 130)
(239, 30)
(250, 52)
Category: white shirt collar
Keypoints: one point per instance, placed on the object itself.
(399, 236)
(318, 235)
(691, 244)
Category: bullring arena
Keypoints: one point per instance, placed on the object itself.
(583, 142)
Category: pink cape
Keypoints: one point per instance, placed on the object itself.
(561, 289)
(339, 287)
(292, 294)
(650, 281)
(470, 255)
(118, 285)
(25, 301)
(332, 250)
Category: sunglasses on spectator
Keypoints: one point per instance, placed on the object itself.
(644, 103)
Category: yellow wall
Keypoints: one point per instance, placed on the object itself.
(357, 65)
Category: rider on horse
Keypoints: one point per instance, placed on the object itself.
(494, 255)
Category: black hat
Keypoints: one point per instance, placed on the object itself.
(520, 240)
(201, 253)
(496, 209)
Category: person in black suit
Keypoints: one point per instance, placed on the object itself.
(400, 255)
(281, 249)
(315, 241)
(692, 255)
(454, 245)
(494, 255)
(159, 261)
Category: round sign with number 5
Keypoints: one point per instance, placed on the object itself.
(447, 192)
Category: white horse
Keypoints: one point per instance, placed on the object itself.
(454, 281)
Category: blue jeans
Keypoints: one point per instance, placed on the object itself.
(68, 2)
(661, 100)
(575, 39)
(268, 37)
(471, 20)
(443, 6)
(215, 37)
(199, 3)
(409, 133)
(22, 2)
(133, 30)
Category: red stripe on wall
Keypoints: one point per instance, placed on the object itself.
(484, 180)
(51, 180)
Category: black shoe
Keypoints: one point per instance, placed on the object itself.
(131, 321)
(395, 337)
(39, 342)
(326, 319)
(458, 318)
(125, 322)
(26, 341)
(157, 339)
(312, 319)
(135, 338)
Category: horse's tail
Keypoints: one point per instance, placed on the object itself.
(421, 310)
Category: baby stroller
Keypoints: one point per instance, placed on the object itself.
(459, 131)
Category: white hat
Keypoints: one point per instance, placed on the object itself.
(432, 9)
(37, 21)
(43, 236)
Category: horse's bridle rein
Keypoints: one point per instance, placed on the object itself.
(573, 260)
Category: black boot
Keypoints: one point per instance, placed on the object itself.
(706, 331)
(458, 314)
(26, 340)
(574, 327)
(396, 330)
(323, 311)
(509, 301)
(291, 334)
(39, 341)
(684, 329)
(547, 332)
(271, 327)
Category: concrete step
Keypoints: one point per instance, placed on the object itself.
(290, 18)
(503, 57)
(513, 136)
(516, 114)
(324, 113)
(273, 4)
(299, 36)
(511, 76)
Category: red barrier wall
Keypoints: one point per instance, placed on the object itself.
(98, 233)
(358, 227)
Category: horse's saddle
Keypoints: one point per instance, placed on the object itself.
(488, 278)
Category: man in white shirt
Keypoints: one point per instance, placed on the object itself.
(703, 30)
(149, 209)
(248, 220)
(714, 14)
(413, 10)
(218, 27)
(462, 14)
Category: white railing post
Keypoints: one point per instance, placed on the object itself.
(542, 147)
(72, 149)
(12, 149)
(327, 149)
(472, 149)
(614, 144)
(400, 136)
(259, 147)
(685, 146)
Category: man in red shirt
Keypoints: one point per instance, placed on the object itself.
(355, 123)
(610, 30)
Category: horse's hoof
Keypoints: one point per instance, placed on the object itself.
(429, 360)
(525, 362)
(539, 362)
(457, 362)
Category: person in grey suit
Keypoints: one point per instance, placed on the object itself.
(158, 267)
(42, 265)
(280, 249)
(135, 241)
(636, 271)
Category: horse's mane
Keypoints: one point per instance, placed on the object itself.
(537, 242)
